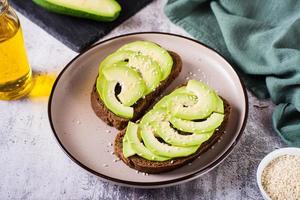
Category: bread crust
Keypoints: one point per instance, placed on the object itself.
(141, 106)
(154, 167)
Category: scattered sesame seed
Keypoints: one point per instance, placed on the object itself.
(190, 164)
(78, 122)
(105, 165)
(172, 161)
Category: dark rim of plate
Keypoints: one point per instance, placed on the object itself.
(159, 183)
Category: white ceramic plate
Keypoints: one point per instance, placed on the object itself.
(86, 139)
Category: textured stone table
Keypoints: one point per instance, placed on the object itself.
(32, 165)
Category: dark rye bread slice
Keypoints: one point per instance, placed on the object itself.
(141, 106)
(153, 167)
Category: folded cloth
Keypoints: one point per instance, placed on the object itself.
(262, 40)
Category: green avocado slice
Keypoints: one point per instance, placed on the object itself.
(219, 105)
(182, 94)
(104, 10)
(208, 125)
(171, 136)
(112, 103)
(157, 53)
(133, 86)
(149, 69)
(205, 105)
(155, 115)
(127, 149)
(162, 149)
(99, 85)
(137, 146)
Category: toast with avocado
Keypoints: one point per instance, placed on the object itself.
(130, 79)
(179, 127)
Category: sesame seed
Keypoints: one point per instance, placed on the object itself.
(105, 165)
(280, 178)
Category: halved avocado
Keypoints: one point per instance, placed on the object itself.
(103, 10)
(112, 103)
(208, 125)
(205, 105)
(171, 136)
(133, 86)
(157, 53)
(162, 149)
(149, 69)
(137, 146)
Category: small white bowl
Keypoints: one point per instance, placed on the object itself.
(267, 159)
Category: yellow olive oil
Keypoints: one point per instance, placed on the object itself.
(15, 72)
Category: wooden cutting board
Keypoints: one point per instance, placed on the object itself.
(76, 33)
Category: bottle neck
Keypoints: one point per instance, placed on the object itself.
(3, 6)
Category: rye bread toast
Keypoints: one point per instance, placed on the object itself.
(143, 165)
(141, 106)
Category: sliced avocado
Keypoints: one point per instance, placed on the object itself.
(162, 149)
(219, 105)
(133, 86)
(155, 115)
(149, 69)
(112, 103)
(157, 53)
(103, 10)
(99, 85)
(208, 125)
(127, 149)
(202, 109)
(185, 96)
(171, 136)
(137, 146)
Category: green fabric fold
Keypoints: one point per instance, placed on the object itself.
(262, 40)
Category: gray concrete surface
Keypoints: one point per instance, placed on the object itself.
(32, 165)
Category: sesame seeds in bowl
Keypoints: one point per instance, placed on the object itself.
(278, 174)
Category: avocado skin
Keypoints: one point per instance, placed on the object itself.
(75, 13)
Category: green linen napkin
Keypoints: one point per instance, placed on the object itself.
(262, 39)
